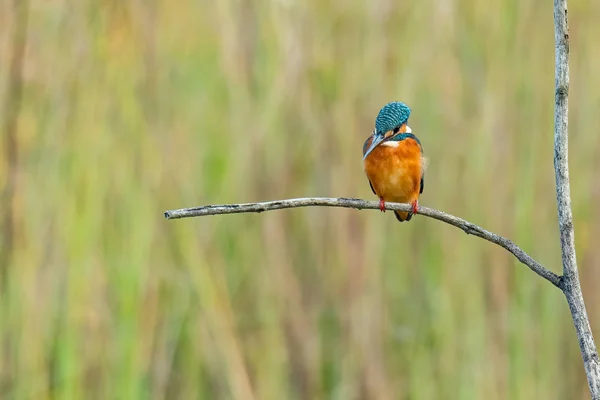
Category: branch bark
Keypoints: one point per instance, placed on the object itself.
(359, 204)
(570, 282)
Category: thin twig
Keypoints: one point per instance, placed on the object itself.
(468, 227)
(570, 285)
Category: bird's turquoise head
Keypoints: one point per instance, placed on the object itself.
(390, 118)
(393, 115)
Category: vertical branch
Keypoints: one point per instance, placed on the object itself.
(570, 281)
(9, 131)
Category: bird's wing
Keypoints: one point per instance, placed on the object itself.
(367, 144)
(370, 184)
(424, 163)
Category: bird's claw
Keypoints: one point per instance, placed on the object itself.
(415, 206)
(381, 205)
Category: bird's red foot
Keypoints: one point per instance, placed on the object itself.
(415, 206)
(381, 205)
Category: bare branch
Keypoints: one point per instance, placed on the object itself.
(571, 286)
(359, 204)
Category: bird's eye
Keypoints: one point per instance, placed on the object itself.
(396, 130)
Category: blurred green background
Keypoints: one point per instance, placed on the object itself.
(119, 110)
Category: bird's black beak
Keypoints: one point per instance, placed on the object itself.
(377, 138)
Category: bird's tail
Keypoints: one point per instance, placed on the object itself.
(403, 215)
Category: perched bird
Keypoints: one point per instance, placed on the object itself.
(393, 160)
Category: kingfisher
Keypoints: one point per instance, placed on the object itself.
(393, 160)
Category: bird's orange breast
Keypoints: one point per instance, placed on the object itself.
(395, 170)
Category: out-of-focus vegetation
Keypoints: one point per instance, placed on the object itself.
(132, 107)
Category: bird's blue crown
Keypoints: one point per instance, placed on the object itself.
(391, 116)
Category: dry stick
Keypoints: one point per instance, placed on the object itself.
(468, 227)
(570, 285)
